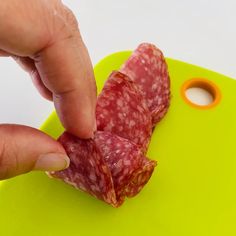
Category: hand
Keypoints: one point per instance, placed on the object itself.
(43, 37)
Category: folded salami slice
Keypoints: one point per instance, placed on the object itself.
(148, 69)
(108, 167)
(112, 165)
(122, 110)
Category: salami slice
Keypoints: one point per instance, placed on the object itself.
(108, 167)
(122, 110)
(148, 69)
(112, 165)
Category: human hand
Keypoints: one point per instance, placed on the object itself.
(43, 37)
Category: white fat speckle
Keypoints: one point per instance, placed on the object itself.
(109, 126)
(105, 112)
(118, 145)
(127, 145)
(131, 123)
(146, 57)
(101, 184)
(120, 128)
(154, 87)
(71, 183)
(159, 101)
(72, 148)
(149, 102)
(127, 162)
(106, 149)
(120, 115)
(117, 151)
(92, 176)
(139, 108)
(94, 188)
(119, 102)
(126, 109)
(127, 97)
(92, 163)
(101, 116)
(119, 164)
(108, 141)
(140, 178)
(81, 186)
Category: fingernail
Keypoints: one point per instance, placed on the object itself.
(94, 130)
(95, 126)
(52, 162)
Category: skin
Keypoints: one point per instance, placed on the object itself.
(43, 38)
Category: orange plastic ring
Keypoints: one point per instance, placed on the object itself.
(208, 85)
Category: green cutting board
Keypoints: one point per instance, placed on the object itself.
(192, 191)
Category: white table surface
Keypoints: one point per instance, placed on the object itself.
(200, 32)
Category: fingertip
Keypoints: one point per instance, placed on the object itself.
(82, 132)
(52, 162)
(83, 128)
(76, 113)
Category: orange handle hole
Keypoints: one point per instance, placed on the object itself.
(205, 84)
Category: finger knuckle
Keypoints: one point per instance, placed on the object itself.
(70, 18)
(8, 155)
(3, 165)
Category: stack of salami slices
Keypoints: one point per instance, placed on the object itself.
(113, 165)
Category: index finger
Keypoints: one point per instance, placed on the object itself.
(66, 70)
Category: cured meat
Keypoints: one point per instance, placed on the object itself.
(108, 167)
(112, 165)
(122, 110)
(148, 69)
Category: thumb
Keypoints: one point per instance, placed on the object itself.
(23, 149)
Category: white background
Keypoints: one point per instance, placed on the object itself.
(201, 32)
